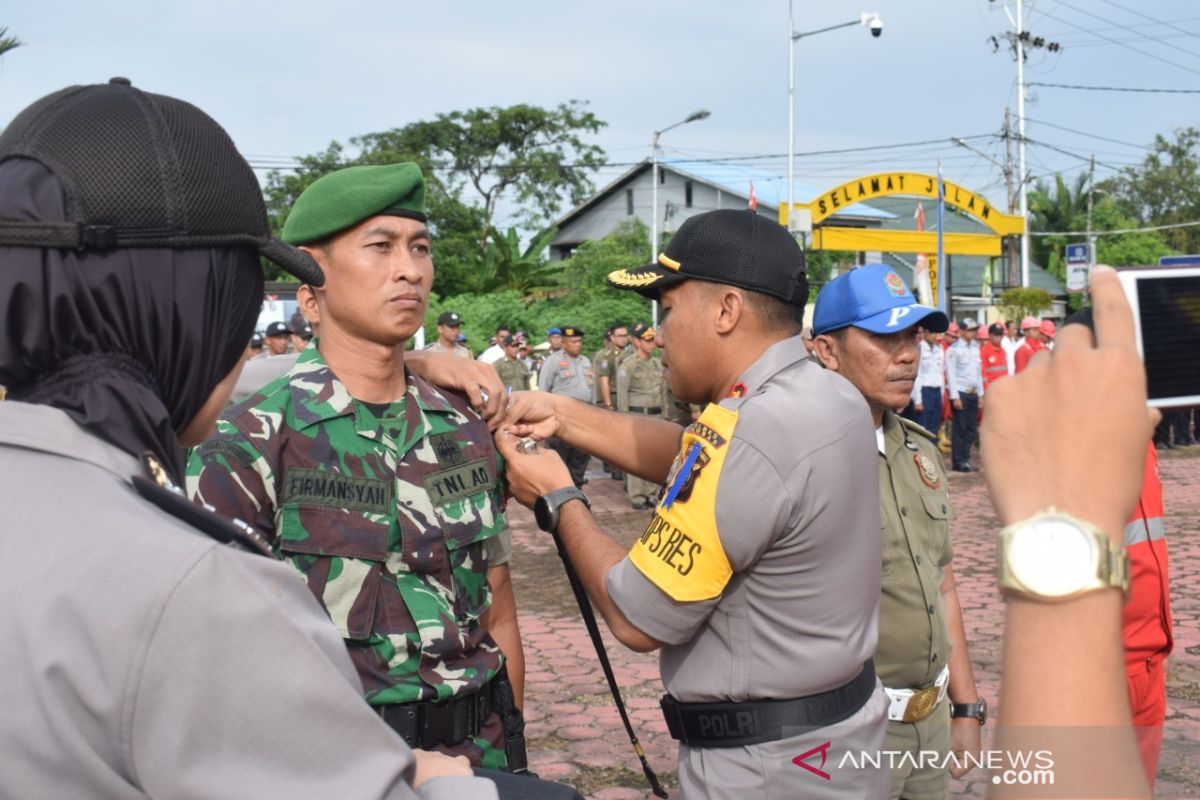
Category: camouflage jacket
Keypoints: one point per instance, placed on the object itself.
(390, 519)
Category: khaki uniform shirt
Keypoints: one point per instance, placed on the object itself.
(640, 384)
(914, 644)
(605, 362)
(513, 373)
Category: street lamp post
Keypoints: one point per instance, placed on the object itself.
(695, 116)
(869, 20)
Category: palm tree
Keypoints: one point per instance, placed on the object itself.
(1059, 209)
(8, 42)
(508, 267)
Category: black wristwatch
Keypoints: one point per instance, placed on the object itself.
(545, 510)
(977, 711)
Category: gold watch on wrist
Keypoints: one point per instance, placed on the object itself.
(1054, 556)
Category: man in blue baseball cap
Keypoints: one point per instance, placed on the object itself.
(866, 327)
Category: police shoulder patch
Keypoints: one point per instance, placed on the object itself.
(680, 551)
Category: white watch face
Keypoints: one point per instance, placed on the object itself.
(1053, 557)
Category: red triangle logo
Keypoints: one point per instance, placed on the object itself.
(823, 749)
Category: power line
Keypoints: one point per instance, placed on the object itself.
(1147, 16)
(1101, 42)
(1122, 44)
(1085, 133)
(1085, 159)
(1116, 88)
(1117, 231)
(262, 162)
(1128, 30)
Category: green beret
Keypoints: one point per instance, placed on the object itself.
(345, 198)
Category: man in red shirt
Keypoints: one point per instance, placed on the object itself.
(1033, 342)
(1046, 328)
(992, 356)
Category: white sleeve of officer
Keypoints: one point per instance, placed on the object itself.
(679, 568)
(246, 690)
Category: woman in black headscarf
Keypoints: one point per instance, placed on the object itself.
(141, 658)
(139, 346)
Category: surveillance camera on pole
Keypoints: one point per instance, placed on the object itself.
(867, 19)
(873, 23)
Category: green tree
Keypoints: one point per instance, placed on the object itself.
(507, 266)
(588, 267)
(536, 155)
(819, 265)
(8, 42)
(583, 296)
(1020, 302)
(1165, 188)
(1125, 249)
(1057, 208)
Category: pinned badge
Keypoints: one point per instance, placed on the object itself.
(927, 469)
(738, 390)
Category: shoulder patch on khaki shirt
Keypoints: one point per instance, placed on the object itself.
(680, 551)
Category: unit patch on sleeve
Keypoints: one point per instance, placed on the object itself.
(680, 551)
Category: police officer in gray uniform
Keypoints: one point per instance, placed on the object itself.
(569, 373)
(141, 630)
(759, 574)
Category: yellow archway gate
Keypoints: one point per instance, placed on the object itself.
(832, 237)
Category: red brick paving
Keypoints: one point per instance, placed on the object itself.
(576, 735)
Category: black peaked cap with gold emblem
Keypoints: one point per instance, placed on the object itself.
(738, 248)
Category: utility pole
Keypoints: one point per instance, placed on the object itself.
(1014, 264)
(1019, 39)
(1091, 240)
(1021, 149)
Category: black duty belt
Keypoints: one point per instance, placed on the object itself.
(428, 724)
(642, 410)
(757, 721)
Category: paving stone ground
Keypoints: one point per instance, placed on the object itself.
(576, 736)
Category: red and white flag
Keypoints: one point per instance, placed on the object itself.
(753, 200)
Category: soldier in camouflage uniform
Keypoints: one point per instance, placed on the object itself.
(511, 369)
(384, 493)
(642, 390)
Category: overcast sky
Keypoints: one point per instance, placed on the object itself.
(287, 78)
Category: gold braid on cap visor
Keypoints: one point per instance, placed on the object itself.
(624, 277)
